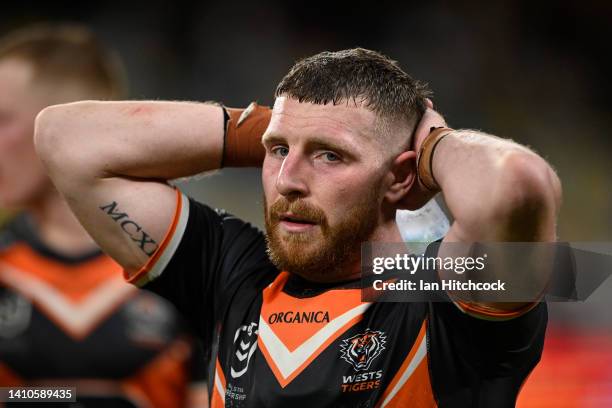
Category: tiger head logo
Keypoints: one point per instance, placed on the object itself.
(361, 349)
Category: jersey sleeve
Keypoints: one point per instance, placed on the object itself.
(477, 362)
(481, 356)
(203, 254)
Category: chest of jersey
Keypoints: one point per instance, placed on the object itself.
(80, 324)
(35, 344)
(329, 349)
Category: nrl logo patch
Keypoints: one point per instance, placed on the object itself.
(245, 342)
(361, 349)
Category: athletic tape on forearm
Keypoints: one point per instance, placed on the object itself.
(243, 131)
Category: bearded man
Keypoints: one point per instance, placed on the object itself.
(283, 309)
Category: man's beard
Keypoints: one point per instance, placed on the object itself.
(326, 255)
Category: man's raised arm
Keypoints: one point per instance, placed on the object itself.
(496, 191)
(111, 161)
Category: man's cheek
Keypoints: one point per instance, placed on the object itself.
(268, 185)
(269, 173)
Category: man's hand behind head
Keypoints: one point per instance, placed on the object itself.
(419, 195)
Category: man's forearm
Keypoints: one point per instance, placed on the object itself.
(495, 189)
(111, 160)
(151, 140)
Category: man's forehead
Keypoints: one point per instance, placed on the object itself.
(289, 115)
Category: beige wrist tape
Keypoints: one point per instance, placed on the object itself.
(425, 157)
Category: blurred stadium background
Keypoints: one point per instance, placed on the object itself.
(536, 72)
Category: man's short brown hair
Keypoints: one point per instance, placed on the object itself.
(360, 76)
(67, 52)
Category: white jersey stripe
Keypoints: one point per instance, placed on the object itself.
(219, 387)
(169, 247)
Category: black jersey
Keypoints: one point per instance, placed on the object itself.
(73, 321)
(281, 341)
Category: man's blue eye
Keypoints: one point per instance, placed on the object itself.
(331, 156)
(281, 151)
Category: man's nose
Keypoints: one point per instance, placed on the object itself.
(293, 175)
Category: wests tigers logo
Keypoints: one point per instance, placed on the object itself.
(361, 349)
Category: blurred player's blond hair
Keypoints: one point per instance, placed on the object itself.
(68, 53)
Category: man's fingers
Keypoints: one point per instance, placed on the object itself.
(430, 119)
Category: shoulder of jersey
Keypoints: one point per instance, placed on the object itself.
(221, 212)
(225, 217)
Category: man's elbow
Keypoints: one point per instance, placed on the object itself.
(529, 190)
(46, 131)
(54, 132)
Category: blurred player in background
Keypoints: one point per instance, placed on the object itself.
(66, 316)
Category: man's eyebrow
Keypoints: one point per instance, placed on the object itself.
(270, 138)
(331, 144)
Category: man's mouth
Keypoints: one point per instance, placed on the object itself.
(295, 223)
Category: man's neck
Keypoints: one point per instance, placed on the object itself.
(57, 227)
(387, 232)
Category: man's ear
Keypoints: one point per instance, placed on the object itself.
(402, 175)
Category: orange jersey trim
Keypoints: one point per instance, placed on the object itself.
(219, 385)
(491, 313)
(77, 318)
(158, 261)
(411, 382)
(8, 377)
(289, 348)
(164, 381)
(75, 282)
